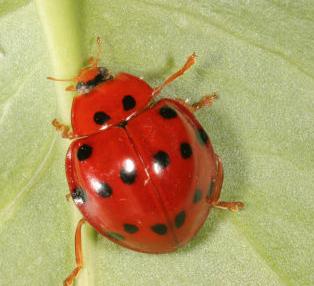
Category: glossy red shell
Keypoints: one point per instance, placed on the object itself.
(128, 189)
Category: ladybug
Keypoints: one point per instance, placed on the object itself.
(142, 171)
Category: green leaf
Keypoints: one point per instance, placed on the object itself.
(258, 54)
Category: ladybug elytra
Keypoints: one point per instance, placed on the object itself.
(142, 171)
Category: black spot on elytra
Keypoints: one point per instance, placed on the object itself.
(101, 117)
(167, 112)
(186, 150)
(115, 235)
(202, 136)
(211, 188)
(159, 228)
(128, 102)
(130, 228)
(127, 177)
(84, 152)
(162, 159)
(79, 195)
(197, 196)
(179, 219)
(104, 190)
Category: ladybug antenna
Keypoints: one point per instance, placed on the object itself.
(69, 88)
(93, 61)
(86, 73)
(58, 79)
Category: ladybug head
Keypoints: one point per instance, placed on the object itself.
(104, 100)
(109, 102)
(87, 79)
(89, 76)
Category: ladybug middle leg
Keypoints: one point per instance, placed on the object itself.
(214, 198)
(78, 255)
(206, 100)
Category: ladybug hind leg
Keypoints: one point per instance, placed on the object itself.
(78, 255)
(214, 198)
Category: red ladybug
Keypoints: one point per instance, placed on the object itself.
(142, 171)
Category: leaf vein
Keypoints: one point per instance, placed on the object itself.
(7, 212)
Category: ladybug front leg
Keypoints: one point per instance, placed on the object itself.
(68, 196)
(63, 129)
(78, 255)
(214, 198)
(189, 62)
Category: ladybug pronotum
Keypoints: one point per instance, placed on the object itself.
(142, 171)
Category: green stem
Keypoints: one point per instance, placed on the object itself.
(60, 21)
(61, 27)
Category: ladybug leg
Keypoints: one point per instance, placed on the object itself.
(78, 255)
(206, 100)
(231, 206)
(63, 129)
(189, 62)
(68, 196)
(214, 198)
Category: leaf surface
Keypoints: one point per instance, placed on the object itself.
(257, 54)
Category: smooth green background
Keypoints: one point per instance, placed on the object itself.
(258, 55)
